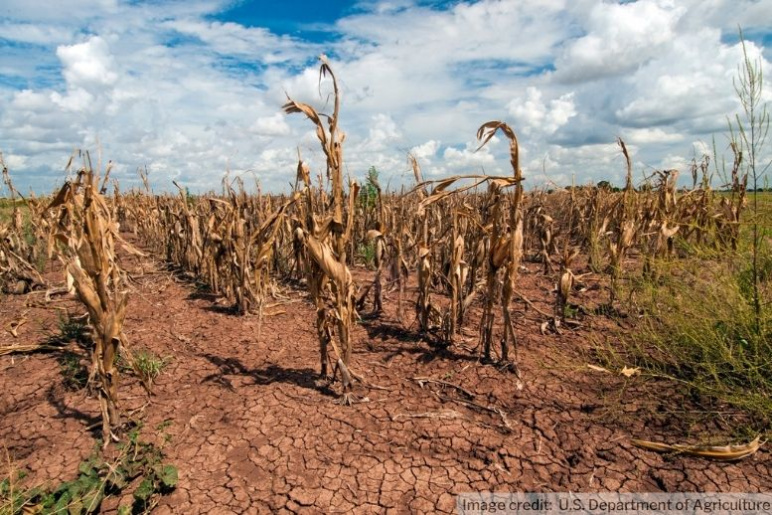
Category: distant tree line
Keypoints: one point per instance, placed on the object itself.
(606, 185)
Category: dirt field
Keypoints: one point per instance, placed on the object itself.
(251, 429)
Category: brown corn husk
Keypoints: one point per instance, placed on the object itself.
(713, 452)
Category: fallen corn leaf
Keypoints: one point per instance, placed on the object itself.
(597, 368)
(714, 452)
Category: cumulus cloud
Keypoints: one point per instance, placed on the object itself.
(383, 133)
(425, 152)
(690, 84)
(275, 125)
(533, 114)
(471, 160)
(15, 161)
(87, 64)
(581, 165)
(169, 86)
(701, 148)
(651, 135)
(619, 39)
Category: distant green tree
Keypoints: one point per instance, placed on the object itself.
(369, 194)
(189, 197)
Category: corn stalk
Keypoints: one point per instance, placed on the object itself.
(505, 250)
(86, 232)
(326, 242)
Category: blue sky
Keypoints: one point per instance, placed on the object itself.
(193, 89)
(309, 20)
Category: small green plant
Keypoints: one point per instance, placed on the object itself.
(763, 274)
(97, 479)
(162, 428)
(157, 477)
(367, 251)
(165, 424)
(72, 329)
(149, 366)
(74, 372)
(12, 498)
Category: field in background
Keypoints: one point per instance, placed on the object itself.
(656, 342)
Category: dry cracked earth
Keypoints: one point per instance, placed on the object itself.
(251, 429)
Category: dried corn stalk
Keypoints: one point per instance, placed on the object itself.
(86, 232)
(17, 252)
(511, 247)
(423, 305)
(625, 214)
(326, 242)
(378, 239)
(504, 245)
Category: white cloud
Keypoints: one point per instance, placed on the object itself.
(619, 39)
(383, 134)
(752, 15)
(76, 100)
(534, 115)
(43, 11)
(234, 39)
(31, 101)
(471, 160)
(426, 151)
(673, 162)
(651, 135)
(580, 165)
(702, 148)
(15, 161)
(87, 64)
(34, 34)
(275, 125)
(691, 85)
(167, 86)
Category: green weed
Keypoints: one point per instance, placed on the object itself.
(367, 252)
(137, 462)
(73, 371)
(149, 366)
(698, 327)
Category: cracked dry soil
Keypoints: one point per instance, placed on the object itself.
(251, 432)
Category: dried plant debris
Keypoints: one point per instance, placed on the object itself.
(713, 452)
